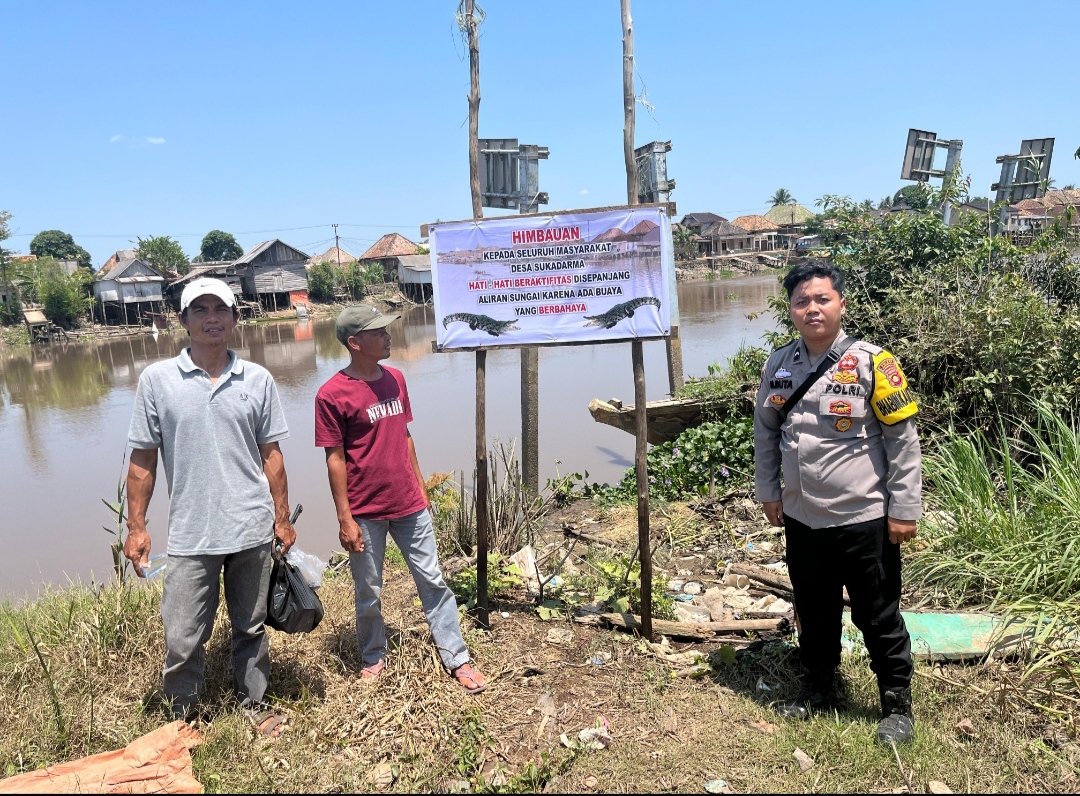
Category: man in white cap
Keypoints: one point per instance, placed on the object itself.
(217, 421)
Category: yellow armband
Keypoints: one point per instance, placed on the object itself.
(892, 398)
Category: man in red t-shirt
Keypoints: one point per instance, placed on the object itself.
(361, 419)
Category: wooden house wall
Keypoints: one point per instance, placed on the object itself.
(275, 278)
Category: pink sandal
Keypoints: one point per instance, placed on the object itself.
(372, 672)
(471, 680)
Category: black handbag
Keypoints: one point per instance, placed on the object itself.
(292, 606)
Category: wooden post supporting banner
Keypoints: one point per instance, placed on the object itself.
(481, 490)
(674, 360)
(641, 426)
(641, 470)
(530, 419)
(628, 103)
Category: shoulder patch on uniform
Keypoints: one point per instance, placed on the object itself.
(892, 399)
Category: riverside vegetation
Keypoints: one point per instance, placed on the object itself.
(980, 325)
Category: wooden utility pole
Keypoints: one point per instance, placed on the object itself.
(628, 103)
(474, 106)
(480, 488)
(641, 466)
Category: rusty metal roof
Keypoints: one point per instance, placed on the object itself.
(389, 245)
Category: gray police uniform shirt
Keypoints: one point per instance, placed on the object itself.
(849, 450)
(209, 436)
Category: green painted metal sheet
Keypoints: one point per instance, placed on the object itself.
(942, 636)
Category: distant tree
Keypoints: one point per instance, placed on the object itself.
(9, 310)
(59, 245)
(916, 196)
(781, 197)
(1070, 187)
(685, 247)
(885, 203)
(218, 245)
(321, 281)
(163, 253)
(358, 276)
(867, 204)
(64, 297)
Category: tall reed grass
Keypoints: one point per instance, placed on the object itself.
(1004, 519)
(1003, 532)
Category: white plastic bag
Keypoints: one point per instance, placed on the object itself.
(310, 566)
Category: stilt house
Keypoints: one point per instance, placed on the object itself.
(273, 274)
(128, 290)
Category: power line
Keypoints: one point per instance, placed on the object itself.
(243, 232)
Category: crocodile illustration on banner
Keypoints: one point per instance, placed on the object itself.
(482, 322)
(620, 312)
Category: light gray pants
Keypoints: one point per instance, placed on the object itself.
(188, 607)
(415, 537)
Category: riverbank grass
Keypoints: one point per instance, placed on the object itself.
(80, 672)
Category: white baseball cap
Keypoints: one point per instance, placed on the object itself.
(207, 286)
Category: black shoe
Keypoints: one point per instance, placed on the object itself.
(897, 723)
(803, 705)
(818, 696)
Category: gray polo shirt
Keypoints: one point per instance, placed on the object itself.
(209, 436)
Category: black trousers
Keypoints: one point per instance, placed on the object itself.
(860, 556)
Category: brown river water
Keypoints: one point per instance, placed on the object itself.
(65, 411)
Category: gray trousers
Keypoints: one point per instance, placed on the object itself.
(188, 607)
(415, 537)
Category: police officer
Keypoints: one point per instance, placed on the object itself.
(835, 414)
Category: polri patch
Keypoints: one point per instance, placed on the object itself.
(848, 362)
(777, 400)
(782, 373)
(839, 408)
(845, 377)
(843, 424)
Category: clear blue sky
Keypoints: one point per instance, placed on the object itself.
(124, 119)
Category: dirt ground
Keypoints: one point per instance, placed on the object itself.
(671, 728)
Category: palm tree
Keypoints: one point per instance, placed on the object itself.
(781, 197)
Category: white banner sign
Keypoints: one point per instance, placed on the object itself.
(570, 278)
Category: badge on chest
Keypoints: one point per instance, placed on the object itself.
(833, 405)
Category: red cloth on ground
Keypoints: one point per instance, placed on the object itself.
(369, 419)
